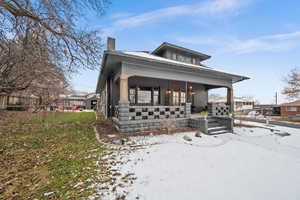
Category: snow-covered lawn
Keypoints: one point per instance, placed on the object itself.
(254, 163)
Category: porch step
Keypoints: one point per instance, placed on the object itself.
(213, 124)
(216, 128)
(211, 120)
(218, 132)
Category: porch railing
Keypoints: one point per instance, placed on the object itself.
(155, 112)
(219, 109)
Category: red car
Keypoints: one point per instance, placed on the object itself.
(74, 107)
(60, 107)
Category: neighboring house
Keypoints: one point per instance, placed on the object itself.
(91, 101)
(290, 109)
(240, 103)
(17, 101)
(143, 90)
(80, 100)
(267, 109)
(66, 102)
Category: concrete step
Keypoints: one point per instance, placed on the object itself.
(213, 124)
(211, 120)
(217, 128)
(218, 132)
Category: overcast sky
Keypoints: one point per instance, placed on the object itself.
(255, 38)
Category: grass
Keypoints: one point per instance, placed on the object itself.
(52, 163)
(49, 118)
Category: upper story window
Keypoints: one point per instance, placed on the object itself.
(188, 59)
(182, 58)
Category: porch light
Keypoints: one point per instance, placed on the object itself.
(190, 87)
(168, 91)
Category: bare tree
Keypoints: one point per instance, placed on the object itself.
(51, 27)
(292, 81)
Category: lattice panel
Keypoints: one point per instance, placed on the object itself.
(220, 110)
(155, 112)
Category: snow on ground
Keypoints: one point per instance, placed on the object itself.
(254, 163)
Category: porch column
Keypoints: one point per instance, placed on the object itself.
(123, 109)
(230, 99)
(124, 87)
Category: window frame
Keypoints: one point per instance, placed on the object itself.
(288, 108)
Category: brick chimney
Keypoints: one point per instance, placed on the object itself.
(111, 44)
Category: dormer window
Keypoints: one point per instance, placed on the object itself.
(180, 54)
(180, 58)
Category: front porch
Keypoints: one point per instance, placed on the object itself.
(142, 103)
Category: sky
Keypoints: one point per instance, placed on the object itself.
(256, 38)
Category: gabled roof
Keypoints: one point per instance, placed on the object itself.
(167, 45)
(294, 103)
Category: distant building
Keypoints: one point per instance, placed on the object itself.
(240, 103)
(80, 100)
(17, 101)
(268, 109)
(290, 109)
(91, 101)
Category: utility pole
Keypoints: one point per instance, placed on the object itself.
(276, 98)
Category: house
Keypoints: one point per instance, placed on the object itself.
(142, 90)
(240, 103)
(91, 101)
(81, 100)
(290, 109)
(267, 109)
(17, 101)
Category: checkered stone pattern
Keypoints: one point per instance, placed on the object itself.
(220, 110)
(155, 112)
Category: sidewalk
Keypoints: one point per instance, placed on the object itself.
(273, 122)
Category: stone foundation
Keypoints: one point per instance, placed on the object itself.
(145, 125)
(199, 123)
(129, 118)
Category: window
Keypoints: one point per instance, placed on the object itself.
(144, 96)
(291, 108)
(188, 59)
(175, 98)
(182, 97)
(180, 58)
(156, 96)
(132, 95)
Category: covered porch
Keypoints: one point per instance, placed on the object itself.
(152, 98)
